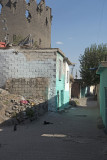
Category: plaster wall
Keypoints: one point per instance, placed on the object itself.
(66, 90)
(62, 88)
(103, 97)
(66, 76)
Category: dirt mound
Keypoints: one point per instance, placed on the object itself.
(16, 108)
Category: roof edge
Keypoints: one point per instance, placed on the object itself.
(102, 65)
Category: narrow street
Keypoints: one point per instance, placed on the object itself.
(74, 135)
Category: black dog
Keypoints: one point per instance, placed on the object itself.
(15, 127)
(45, 123)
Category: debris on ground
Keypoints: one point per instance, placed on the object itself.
(100, 124)
(73, 103)
(15, 108)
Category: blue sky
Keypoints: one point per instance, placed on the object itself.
(76, 25)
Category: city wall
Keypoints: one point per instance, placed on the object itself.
(19, 19)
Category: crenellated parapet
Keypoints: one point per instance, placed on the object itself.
(19, 19)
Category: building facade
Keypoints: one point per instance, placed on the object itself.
(23, 66)
(78, 90)
(102, 71)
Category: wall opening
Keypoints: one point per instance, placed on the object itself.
(62, 97)
(40, 41)
(38, 1)
(46, 21)
(57, 99)
(1, 7)
(28, 15)
(14, 5)
(40, 6)
(27, 1)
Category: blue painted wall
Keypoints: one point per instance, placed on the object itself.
(62, 99)
(103, 96)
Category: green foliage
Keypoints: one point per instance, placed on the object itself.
(17, 39)
(6, 102)
(90, 61)
(29, 112)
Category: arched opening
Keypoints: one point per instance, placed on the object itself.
(28, 15)
(1, 7)
(38, 1)
(27, 1)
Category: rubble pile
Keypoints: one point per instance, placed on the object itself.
(16, 109)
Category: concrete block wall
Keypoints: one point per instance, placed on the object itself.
(30, 64)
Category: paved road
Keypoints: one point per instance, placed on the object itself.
(72, 136)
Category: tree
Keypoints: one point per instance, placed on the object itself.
(90, 61)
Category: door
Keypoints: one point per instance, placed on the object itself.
(58, 99)
(62, 98)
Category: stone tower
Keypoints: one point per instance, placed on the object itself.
(19, 19)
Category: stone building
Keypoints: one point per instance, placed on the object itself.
(42, 73)
(19, 19)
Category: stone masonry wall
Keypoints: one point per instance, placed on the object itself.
(29, 87)
(30, 64)
(16, 26)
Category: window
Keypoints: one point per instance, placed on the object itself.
(28, 15)
(58, 99)
(0, 7)
(46, 21)
(27, 1)
(67, 76)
